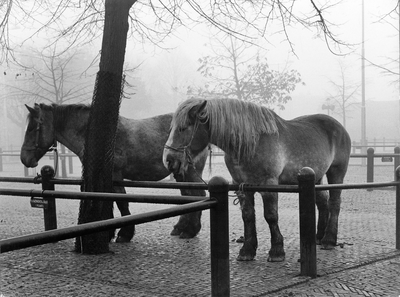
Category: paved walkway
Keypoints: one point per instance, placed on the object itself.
(156, 264)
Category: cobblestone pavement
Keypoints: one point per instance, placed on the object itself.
(157, 264)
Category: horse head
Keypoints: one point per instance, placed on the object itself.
(188, 137)
(39, 135)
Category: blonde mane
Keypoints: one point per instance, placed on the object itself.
(235, 126)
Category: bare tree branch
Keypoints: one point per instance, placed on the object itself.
(77, 22)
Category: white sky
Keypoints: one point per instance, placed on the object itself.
(317, 65)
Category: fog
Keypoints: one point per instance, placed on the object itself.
(164, 71)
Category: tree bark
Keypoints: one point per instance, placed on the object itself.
(100, 136)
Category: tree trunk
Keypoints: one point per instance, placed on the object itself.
(100, 135)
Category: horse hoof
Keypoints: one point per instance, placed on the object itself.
(186, 235)
(276, 258)
(327, 247)
(176, 232)
(121, 239)
(240, 239)
(245, 258)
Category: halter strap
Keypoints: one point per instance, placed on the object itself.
(53, 147)
(185, 150)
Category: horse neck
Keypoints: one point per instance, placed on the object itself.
(236, 144)
(72, 132)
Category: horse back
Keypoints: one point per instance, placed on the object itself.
(139, 147)
(317, 141)
(320, 128)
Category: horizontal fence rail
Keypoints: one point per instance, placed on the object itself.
(71, 195)
(7, 245)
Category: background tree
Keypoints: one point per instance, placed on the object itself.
(48, 77)
(343, 98)
(52, 78)
(391, 64)
(233, 72)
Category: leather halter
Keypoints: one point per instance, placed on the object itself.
(186, 149)
(53, 147)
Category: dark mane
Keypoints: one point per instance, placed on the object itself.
(62, 112)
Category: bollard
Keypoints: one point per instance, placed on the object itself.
(219, 225)
(370, 166)
(398, 209)
(396, 160)
(70, 163)
(308, 245)
(50, 216)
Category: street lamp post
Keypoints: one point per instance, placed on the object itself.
(363, 112)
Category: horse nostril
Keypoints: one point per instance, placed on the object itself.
(172, 164)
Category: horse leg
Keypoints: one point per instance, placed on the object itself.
(126, 233)
(189, 225)
(270, 201)
(335, 175)
(249, 248)
(323, 213)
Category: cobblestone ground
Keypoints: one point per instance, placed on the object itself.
(157, 264)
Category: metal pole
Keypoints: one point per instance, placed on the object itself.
(398, 209)
(308, 245)
(396, 160)
(370, 166)
(219, 221)
(49, 212)
(363, 112)
(398, 4)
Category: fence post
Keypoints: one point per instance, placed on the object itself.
(370, 166)
(398, 208)
(396, 160)
(219, 225)
(70, 163)
(50, 217)
(308, 246)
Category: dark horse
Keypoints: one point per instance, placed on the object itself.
(138, 152)
(263, 149)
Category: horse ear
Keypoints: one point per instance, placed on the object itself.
(31, 110)
(202, 106)
(194, 112)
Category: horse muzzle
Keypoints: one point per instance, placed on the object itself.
(28, 158)
(173, 163)
(29, 162)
